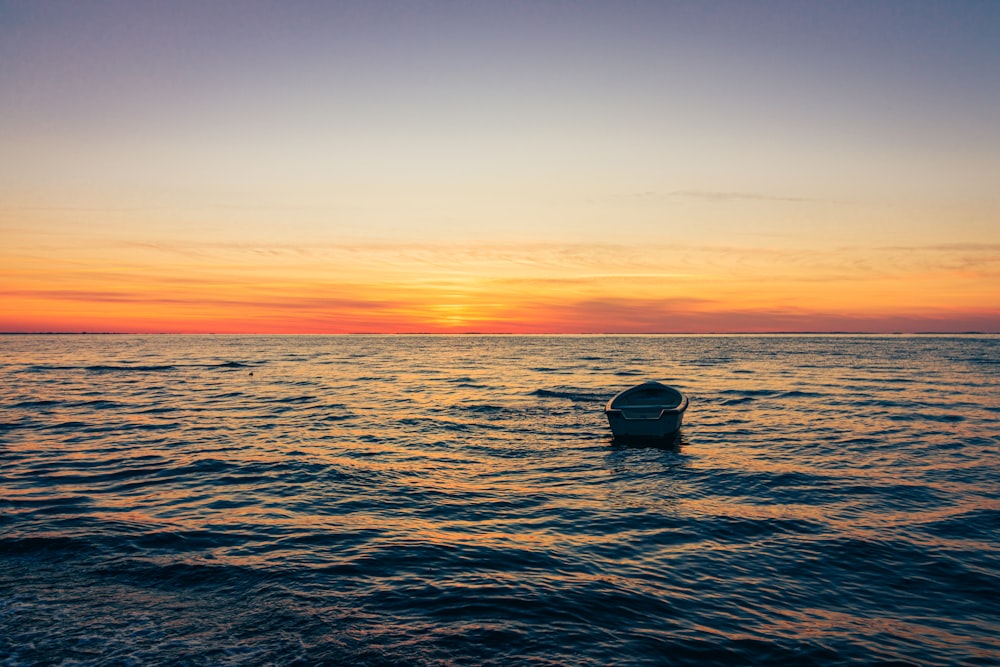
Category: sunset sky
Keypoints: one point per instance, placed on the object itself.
(551, 166)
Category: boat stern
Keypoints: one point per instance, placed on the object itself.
(639, 413)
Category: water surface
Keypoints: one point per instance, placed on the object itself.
(408, 500)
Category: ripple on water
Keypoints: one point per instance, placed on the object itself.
(831, 501)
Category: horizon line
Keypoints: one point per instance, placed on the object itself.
(506, 333)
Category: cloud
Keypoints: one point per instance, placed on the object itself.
(202, 299)
(524, 287)
(706, 316)
(420, 312)
(724, 196)
(715, 197)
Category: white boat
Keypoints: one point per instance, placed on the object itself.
(646, 411)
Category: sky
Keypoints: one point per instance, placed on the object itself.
(521, 167)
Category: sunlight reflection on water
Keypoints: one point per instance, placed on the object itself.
(439, 500)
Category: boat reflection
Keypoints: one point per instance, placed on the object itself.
(671, 443)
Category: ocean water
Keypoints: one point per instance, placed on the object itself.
(409, 500)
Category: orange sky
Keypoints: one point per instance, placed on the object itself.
(514, 287)
(524, 168)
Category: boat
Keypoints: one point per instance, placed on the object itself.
(647, 411)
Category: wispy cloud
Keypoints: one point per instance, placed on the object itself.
(716, 197)
(724, 196)
(703, 316)
(528, 287)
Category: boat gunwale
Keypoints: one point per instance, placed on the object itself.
(664, 409)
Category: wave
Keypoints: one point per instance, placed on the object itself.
(796, 393)
(487, 409)
(924, 416)
(739, 401)
(295, 399)
(137, 368)
(32, 545)
(573, 395)
(111, 368)
(750, 392)
(981, 524)
(232, 364)
(37, 403)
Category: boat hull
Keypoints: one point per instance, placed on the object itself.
(664, 426)
(650, 411)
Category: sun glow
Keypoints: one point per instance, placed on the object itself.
(476, 287)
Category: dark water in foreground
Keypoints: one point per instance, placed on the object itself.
(458, 501)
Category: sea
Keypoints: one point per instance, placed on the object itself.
(459, 500)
